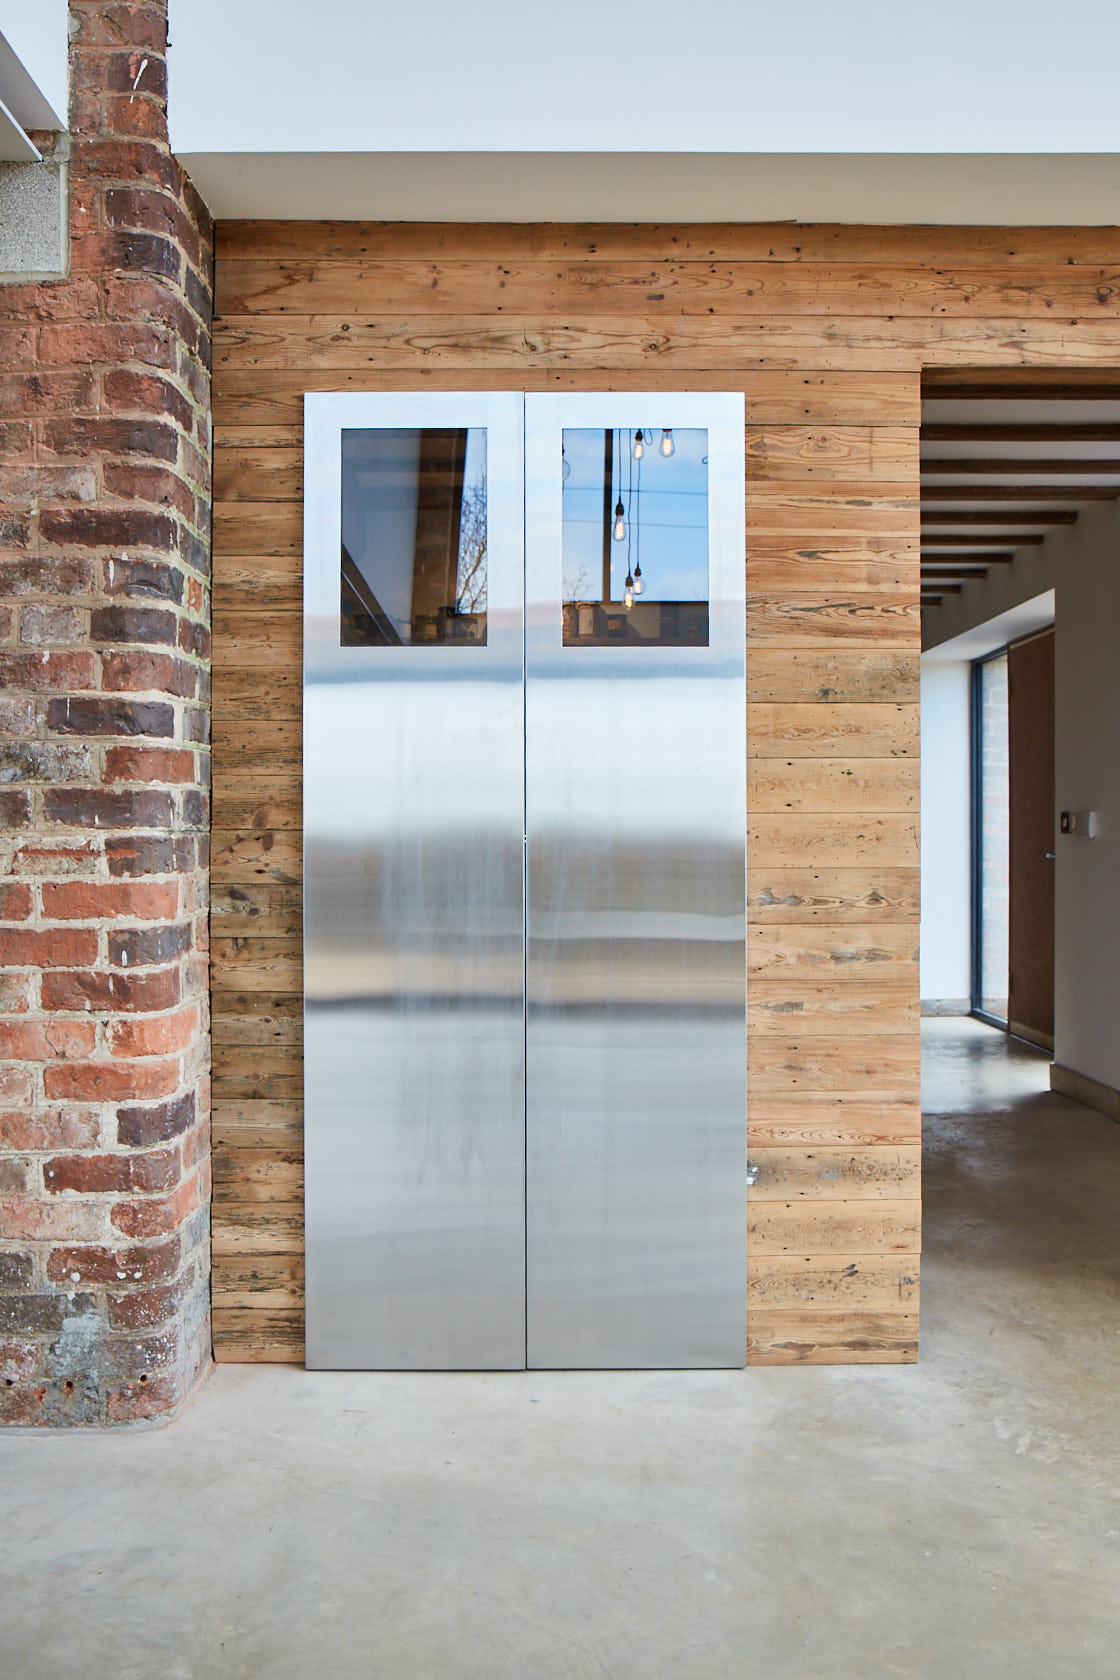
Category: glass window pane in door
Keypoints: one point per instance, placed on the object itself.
(635, 509)
(413, 564)
(993, 849)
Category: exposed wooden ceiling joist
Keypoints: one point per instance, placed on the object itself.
(1008, 521)
(1018, 492)
(951, 574)
(980, 539)
(943, 432)
(1004, 466)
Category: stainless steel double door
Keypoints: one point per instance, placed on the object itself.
(524, 817)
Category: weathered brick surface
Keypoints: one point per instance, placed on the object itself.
(104, 688)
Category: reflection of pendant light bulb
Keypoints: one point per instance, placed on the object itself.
(628, 598)
(639, 446)
(667, 444)
(619, 521)
(638, 585)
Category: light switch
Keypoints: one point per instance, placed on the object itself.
(1083, 825)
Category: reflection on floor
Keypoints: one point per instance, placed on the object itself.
(954, 1520)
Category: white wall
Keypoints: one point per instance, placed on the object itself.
(946, 977)
(1081, 564)
(643, 76)
(647, 110)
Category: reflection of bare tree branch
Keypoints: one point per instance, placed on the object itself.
(576, 588)
(471, 579)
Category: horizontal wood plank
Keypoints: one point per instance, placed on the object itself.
(795, 1336)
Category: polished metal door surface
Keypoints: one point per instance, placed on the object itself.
(635, 822)
(413, 887)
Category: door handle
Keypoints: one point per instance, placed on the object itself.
(1049, 856)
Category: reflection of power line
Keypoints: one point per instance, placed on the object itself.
(647, 525)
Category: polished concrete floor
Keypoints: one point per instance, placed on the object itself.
(957, 1520)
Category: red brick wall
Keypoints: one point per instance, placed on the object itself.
(104, 768)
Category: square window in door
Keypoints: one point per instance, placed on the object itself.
(635, 511)
(414, 536)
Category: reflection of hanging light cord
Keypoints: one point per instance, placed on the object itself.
(619, 521)
(628, 596)
(638, 585)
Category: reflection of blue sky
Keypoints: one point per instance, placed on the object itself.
(666, 505)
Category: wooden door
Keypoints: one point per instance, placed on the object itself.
(1030, 673)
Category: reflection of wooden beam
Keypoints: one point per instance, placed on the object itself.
(1018, 492)
(1001, 465)
(1101, 432)
(1035, 516)
(948, 385)
(970, 539)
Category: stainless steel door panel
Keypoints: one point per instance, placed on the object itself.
(636, 1036)
(413, 943)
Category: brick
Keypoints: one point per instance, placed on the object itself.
(144, 392)
(133, 624)
(15, 901)
(113, 1174)
(116, 159)
(136, 672)
(42, 761)
(47, 858)
(107, 527)
(31, 1315)
(16, 1271)
(147, 1309)
(23, 1219)
(159, 1218)
(194, 638)
(101, 1265)
(13, 1176)
(80, 345)
(16, 1086)
(196, 724)
(143, 579)
(97, 808)
(15, 809)
(110, 1081)
(149, 764)
(159, 1035)
(47, 1041)
(41, 672)
(96, 900)
(17, 716)
(97, 716)
(38, 576)
(146, 947)
(124, 993)
(15, 996)
(109, 436)
(49, 1128)
(132, 855)
(47, 948)
(46, 625)
(139, 1128)
(19, 1362)
(46, 392)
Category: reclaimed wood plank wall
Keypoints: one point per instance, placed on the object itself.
(826, 330)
